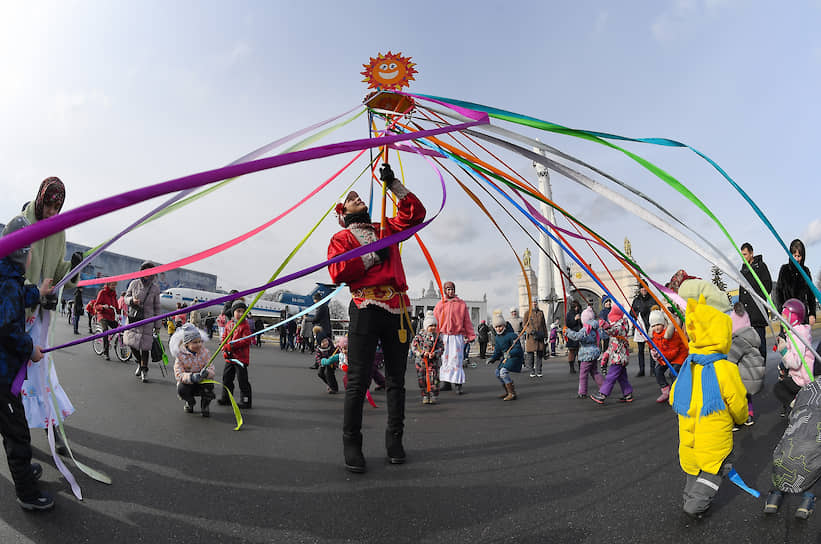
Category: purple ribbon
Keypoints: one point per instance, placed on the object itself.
(62, 221)
(17, 384)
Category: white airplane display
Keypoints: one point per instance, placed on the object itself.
(265, 309)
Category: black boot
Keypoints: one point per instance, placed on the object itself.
(393, 443)
(205, 400)
(59, 446)
(572, 367)
(352, 449)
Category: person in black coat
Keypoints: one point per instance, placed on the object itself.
(791, 285)
(573, 321)
(641, 309)
(322, 317)
(483, 336)
(758, 320)
(78, 308)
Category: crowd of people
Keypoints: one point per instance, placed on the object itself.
(708, 356)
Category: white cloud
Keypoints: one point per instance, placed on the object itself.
(812, 234)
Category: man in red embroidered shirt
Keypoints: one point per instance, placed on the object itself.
(378, 312)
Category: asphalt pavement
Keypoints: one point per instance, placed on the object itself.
(546, 467)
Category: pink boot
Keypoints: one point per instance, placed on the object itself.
(665, 394)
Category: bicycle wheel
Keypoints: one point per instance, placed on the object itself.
(97, 344)
(122, 351)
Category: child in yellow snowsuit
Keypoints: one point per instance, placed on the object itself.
(708, 395)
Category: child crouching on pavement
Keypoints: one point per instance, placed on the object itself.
(237, 353)
(508, 351)
(327, 366)
(744, 352)
(708, 395)
(428, 348)
(190, 360)
(588, 355)
(669, 342)
(16, 349)
(617, 356)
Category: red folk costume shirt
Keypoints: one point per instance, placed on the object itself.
(374, 282)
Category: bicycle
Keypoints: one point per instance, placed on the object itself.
(121, 351)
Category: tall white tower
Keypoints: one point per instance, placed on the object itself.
(550, 279)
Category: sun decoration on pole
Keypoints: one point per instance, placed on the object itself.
(388, 72)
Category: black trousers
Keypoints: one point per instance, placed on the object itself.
(187, 391)
(785, 390)
(367, 327)
(17, 443)
(762, 334)
(328, 375)
(241, 372)
(107, 324)
(482, 349)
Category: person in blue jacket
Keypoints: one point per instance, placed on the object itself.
(508, 351)
(16, 349)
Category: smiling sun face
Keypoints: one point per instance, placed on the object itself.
(388, 72)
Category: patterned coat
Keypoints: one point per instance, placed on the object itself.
(188, 363)
(148, 295)
(423, 343)
(618, 349)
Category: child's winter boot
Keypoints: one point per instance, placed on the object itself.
(665, 394)
(511, 392)
(806, 506)
(774, 500)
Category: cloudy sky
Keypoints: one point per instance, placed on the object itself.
(111, 96)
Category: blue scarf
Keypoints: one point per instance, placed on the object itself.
(710, 391)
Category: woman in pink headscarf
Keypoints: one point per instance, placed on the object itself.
(455, 327)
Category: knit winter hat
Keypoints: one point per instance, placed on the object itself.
(190, 333)
(588, 315)
(615, 314)
(498, 320)
(657, 317)
(19, 255)
(429, 320)
(239, 305)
